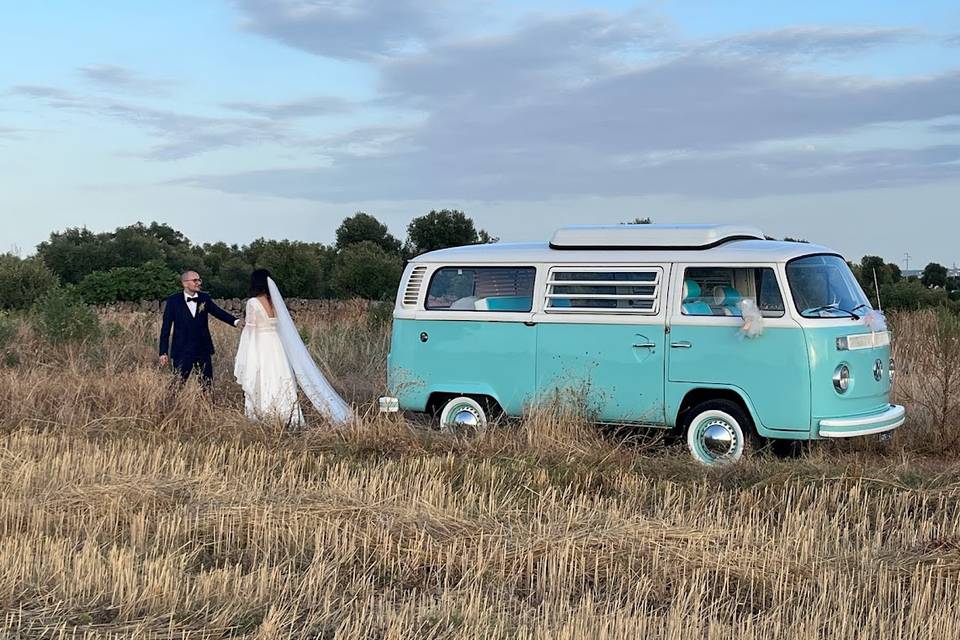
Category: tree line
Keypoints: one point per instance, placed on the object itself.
(143, 262)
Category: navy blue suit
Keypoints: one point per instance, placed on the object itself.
(192, 346)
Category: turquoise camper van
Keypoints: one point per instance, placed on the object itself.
(708, 329)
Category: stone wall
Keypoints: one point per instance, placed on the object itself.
(236, 305)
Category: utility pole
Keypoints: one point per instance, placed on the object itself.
(906, 260)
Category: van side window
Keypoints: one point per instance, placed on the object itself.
(718, 291)
(603, 290)
(482, 289)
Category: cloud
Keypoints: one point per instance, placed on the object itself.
(349, 29)
(182, 135)
(305, 108)
(116, 78)
(602, 104)
(811, 41)
(53, 96)
(534, 177)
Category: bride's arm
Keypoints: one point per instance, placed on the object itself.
(250, 315)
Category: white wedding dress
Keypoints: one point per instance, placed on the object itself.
(272, 360)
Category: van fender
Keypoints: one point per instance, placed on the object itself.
(677, 391)
(465, 389)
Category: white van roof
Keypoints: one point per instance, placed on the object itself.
(650, 236)
(714, 243)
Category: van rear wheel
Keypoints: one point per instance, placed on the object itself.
(463, 416)
(717, 432)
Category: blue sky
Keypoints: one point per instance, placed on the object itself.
(838, 122)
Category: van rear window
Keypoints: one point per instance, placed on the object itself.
(502, 289)
(595, 290)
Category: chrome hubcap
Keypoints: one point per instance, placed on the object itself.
(464, 418)
(718, 438)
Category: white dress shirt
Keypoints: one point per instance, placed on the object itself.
(192, 305)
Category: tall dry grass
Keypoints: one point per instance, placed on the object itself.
(131, 507)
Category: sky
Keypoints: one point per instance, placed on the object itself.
(838, 122)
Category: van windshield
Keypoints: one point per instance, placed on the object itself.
(824, 287)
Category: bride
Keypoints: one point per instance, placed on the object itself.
(272, 360)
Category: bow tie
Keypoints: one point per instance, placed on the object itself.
(194, 299)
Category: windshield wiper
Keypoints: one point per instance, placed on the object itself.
(833, 307)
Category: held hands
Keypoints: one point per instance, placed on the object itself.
(164, 360)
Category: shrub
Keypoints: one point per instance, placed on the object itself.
(23, 281)
(151, 281)
(928, 353)
(8, 329)
(61, 317)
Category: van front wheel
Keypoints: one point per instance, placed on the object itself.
(717, 432)
(463, 416)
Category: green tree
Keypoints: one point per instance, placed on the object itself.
(362, 227)
(23, 281)
(910, 295)
(230, 279)
(299, 268)
(75, 252)
(442, 229)
(934, 275)
(365, 270)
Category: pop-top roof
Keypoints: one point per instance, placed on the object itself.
(651, 236)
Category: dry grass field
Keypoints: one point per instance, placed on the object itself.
(131, 508)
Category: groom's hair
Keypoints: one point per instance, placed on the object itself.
(185, 275)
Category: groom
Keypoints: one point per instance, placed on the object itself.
(187, 312)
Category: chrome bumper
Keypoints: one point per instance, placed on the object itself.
(863, 425)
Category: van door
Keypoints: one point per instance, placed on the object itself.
(601, 340)
(708, 349)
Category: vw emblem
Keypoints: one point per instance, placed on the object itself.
(878, 370)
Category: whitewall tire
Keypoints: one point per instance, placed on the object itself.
(717, 432)
(464, 416)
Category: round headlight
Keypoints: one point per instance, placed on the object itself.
(841, 378)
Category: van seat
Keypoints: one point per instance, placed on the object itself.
(727, 300)
(692, 305)
(505, 303)
(697, 308)
(467, 303)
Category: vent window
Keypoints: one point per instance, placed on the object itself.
(604, 290)
(412, 293)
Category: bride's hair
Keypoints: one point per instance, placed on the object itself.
(258, 283)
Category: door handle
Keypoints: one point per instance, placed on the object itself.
(530, 323)
(645, 345)
(681, 345)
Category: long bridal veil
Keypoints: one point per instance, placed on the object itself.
(309, 376)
